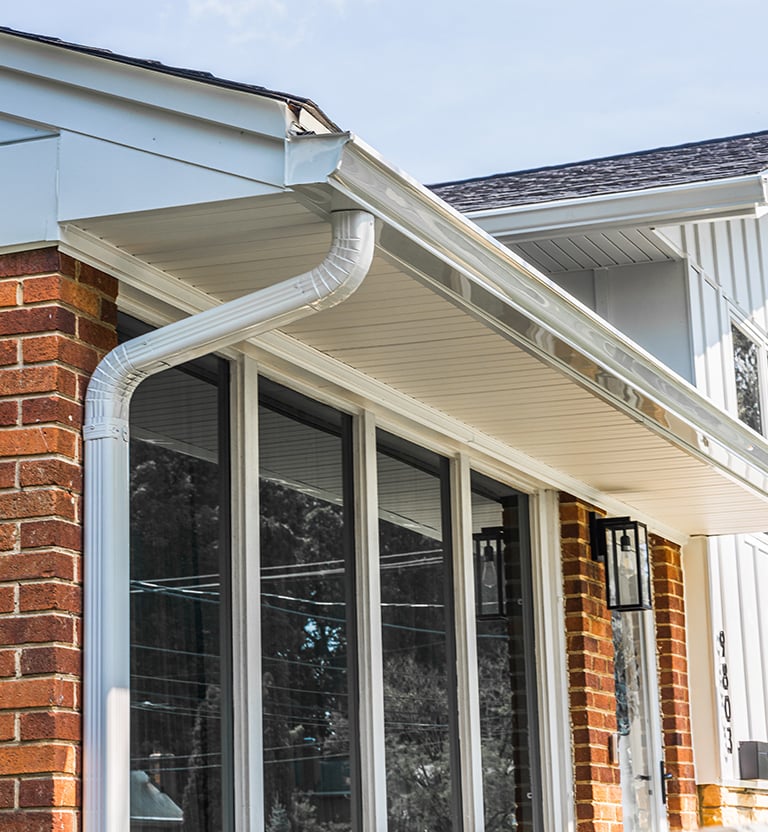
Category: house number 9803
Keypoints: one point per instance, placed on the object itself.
(725, 698)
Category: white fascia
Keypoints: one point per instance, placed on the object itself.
(474, 271)
(71, 71)
(106, 757)
(740, 196)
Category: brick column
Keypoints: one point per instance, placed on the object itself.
(57, 318)
(589, 641)
(669, 612)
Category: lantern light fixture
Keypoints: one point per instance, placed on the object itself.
(489, 572)
(621, 544)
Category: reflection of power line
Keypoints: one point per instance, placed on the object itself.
(174, 652)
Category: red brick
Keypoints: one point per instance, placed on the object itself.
(36, 629)
(49, 725)
(59, 348)
(7, 474)
(37, 319)
(47, 379)
(47, 595)
(9, 413)
(43, 821)
(48, 502)
(100, 336)
(52, 409)
(7, 794)
(7, 662)
(57, 287)
(9, 351)
(28, 566)
(36, 661)
(9, 535)
(9, 293)
(7, 598)
(7, 727)
(51, 472)
(49, 791)
(36, 534)
(37, 759)
(37, 693)
(35, 261)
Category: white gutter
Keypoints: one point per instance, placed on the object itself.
(106, 761)
(738, 196)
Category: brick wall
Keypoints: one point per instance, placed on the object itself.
(592, 684)
(589, 642)
(57, 318)
(731, 805)
(669, 612)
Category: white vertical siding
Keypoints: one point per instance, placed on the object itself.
(739, 596)
(711, 339)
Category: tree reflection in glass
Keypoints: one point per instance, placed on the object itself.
(305, 633)
(180, 699)
(415, 623)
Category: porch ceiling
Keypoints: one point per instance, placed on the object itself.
(398, 330)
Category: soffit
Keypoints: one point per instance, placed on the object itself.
(596, 250)
(400, 332)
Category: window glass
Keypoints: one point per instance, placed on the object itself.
(180, 676)
(419, 703)
(746, 356)
(307, 614)
(505, 650)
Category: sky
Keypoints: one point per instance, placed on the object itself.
(451, 89)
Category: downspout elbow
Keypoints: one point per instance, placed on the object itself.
(326, 285)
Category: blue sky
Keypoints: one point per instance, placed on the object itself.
(448, 90)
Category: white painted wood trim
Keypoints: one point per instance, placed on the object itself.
(246, 597)
(369, 644)
(551, 670)
(468, 695)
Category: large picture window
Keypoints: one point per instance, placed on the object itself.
(322, 764)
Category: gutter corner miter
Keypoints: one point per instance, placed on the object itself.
(106, 737)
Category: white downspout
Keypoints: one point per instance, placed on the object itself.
(106, 728)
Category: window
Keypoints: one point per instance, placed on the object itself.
(181, 712)
(312, 778)
(747, 360)
(307, 615)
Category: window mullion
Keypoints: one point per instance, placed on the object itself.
(466, 648)
(246, 601)
(370, 654)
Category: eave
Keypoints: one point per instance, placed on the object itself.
(741, 196)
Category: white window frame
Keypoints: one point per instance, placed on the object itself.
(549, 627)
(750, 331)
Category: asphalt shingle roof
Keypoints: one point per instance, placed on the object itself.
(681, 164)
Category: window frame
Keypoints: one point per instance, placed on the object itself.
(554, 768)
(749, 331)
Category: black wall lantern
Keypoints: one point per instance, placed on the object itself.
(621, 544)
(489, 572)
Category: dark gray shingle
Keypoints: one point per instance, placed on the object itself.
(685, 163)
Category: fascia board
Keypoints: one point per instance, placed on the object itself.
(161, 132)
(699, 201)
(470, 268)
(243, 110)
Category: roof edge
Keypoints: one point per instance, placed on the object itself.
(739, 196)
(293, 101)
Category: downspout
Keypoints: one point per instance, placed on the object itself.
(106, 729)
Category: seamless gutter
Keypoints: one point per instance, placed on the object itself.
(689, 202)
(462, 262)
